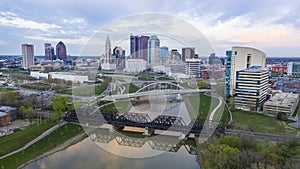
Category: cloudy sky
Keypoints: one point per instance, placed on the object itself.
(272, 26)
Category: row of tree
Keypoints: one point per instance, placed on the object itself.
(230, 152)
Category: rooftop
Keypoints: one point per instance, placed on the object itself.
(6, 108)
(283, 99)
(254, 69)
(2, 114)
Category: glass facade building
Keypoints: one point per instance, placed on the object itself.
(228, 72)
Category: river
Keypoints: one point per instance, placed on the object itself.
(107, 149)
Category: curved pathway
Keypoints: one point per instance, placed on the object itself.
(46, 133)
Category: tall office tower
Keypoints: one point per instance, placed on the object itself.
(174, 56)
(108, 62)
(118, 52)
(242, 58)
(213, 59)
(28, 55)
(61, 51)
(188, 53)
(139, 47)
(49, 52)
(164, 54)
(251, 88)
(154, 51)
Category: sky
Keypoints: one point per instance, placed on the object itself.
(272, 26)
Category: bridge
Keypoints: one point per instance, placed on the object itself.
(139, 120)
(158, 142)
(156, 89)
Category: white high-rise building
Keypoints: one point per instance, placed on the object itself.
(242, 58)
(251, 88)
(108, 61)
(154, 51)
(192, 67)
(28, 55)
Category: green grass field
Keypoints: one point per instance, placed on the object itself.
(200, 105)
(120, 106)
(260, 123)
(2, 89)
(57, 137)
(86, 90)
(21, 138)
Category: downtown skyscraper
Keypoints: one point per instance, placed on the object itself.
(154, 51)
(61, 51)
(108, 60)
(49, 52)
(27, 55)
(139, 47)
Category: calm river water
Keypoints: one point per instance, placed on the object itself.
(112, 150)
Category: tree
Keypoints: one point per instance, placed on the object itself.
(231, 141)
(30, 114)
(282, 116)
(203, 84)
(59, 106)
(220, 156)
(22, 111)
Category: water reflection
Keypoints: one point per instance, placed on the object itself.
(173, 153)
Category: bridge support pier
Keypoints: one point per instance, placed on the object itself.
(148, 132)
(118, 128)
(183, 136)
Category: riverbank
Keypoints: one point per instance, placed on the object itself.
(60, 138)
(62, 147)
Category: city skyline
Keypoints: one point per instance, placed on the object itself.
(272, 26)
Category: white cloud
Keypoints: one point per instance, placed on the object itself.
(77, 41)
(246, 29)
(80, 21)
(12, 20)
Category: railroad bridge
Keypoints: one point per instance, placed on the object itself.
(139, 120)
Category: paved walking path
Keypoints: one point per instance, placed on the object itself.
(34, 141)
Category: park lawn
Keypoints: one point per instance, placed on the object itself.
(54, 139)
(3, 89)
(260, 123)
(86, 90)
(42, 87)
(164, 78)
(21, 138)
(200, 105)
(120, 107)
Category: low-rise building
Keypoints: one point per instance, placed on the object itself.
(59, 75)
(135, 65)
(4, 119)
(41, 67)
(282, 102)
(12, 111)
(293, 68)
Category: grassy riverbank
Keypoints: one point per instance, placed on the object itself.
(48, 143)
(21, 138)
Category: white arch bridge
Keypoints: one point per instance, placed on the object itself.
(156, 89)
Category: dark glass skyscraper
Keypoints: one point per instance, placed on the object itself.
(61, 52)
(49, 52)
(139, 47)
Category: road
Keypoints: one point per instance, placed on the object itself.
(259, 136)
(33, 141)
